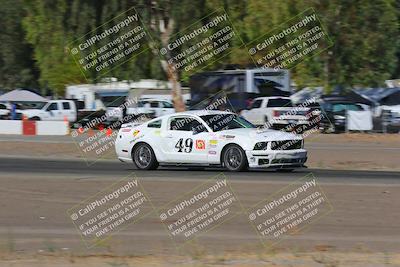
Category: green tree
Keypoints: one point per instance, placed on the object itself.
(16, 62)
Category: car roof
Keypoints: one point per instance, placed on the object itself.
(272, 97)
(154, 99)
(337, 101)
(202, 112)
(195, 113)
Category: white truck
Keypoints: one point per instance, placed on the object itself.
(53, 110)
(275, 112)
(152, 107)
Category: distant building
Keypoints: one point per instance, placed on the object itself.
(110, 89)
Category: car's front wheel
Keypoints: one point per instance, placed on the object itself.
(234, 158)
(144, 158)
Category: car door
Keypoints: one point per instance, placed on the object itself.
(68, 111)
(155, 107)
(53, 112)
(166, 108)
(185, 140)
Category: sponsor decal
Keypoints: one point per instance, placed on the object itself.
(157, 132)
(136, 132)
(212, 152)
(135, 139)
(227, 136)
(213, 142)
(126, 130)
(200, 145)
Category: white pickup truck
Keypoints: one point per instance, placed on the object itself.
(275, 112)
(53, 110)
(152, 107)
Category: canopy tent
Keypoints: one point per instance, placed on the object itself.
(307, 94)
(20, 95)
(368, 96)
(358, 98)
(380, 96)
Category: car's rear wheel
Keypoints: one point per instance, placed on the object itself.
(144, 158)
(234, 158)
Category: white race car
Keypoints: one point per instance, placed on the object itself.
(208, 138)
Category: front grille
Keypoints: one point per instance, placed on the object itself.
(263, 161)
(289, 161)
(286, 145)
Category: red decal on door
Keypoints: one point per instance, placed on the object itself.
(200, 144)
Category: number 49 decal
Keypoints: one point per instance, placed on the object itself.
(186, 146)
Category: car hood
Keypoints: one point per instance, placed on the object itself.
(258, 134)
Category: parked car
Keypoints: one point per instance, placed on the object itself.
(276, 112)
(152, 107)
(391, 119)
(4, 112)
(53, 110)
(335, 110)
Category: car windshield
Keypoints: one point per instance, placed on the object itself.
(279, 102)
(219, 122)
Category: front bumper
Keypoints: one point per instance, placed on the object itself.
(276, 158)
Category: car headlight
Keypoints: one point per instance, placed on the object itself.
(339, 117)
(261, 146)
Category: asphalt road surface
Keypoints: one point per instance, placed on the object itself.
(35, 195)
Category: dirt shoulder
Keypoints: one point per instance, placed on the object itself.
(321, 258)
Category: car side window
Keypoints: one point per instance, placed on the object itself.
(256, 104)
(186, 124)
(66, 105)
(154, 124)
(167, 105)
(198, 127)
(154, 104)
(53, 106)
(180, 124)
(3, 106)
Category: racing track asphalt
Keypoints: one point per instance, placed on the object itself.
(47, 166)
(35, 194)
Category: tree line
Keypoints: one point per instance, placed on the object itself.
(35, 35)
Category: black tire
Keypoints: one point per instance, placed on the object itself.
(144, 158)
(35, 119)
(234, 158)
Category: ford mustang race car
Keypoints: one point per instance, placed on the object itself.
(208, 138)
